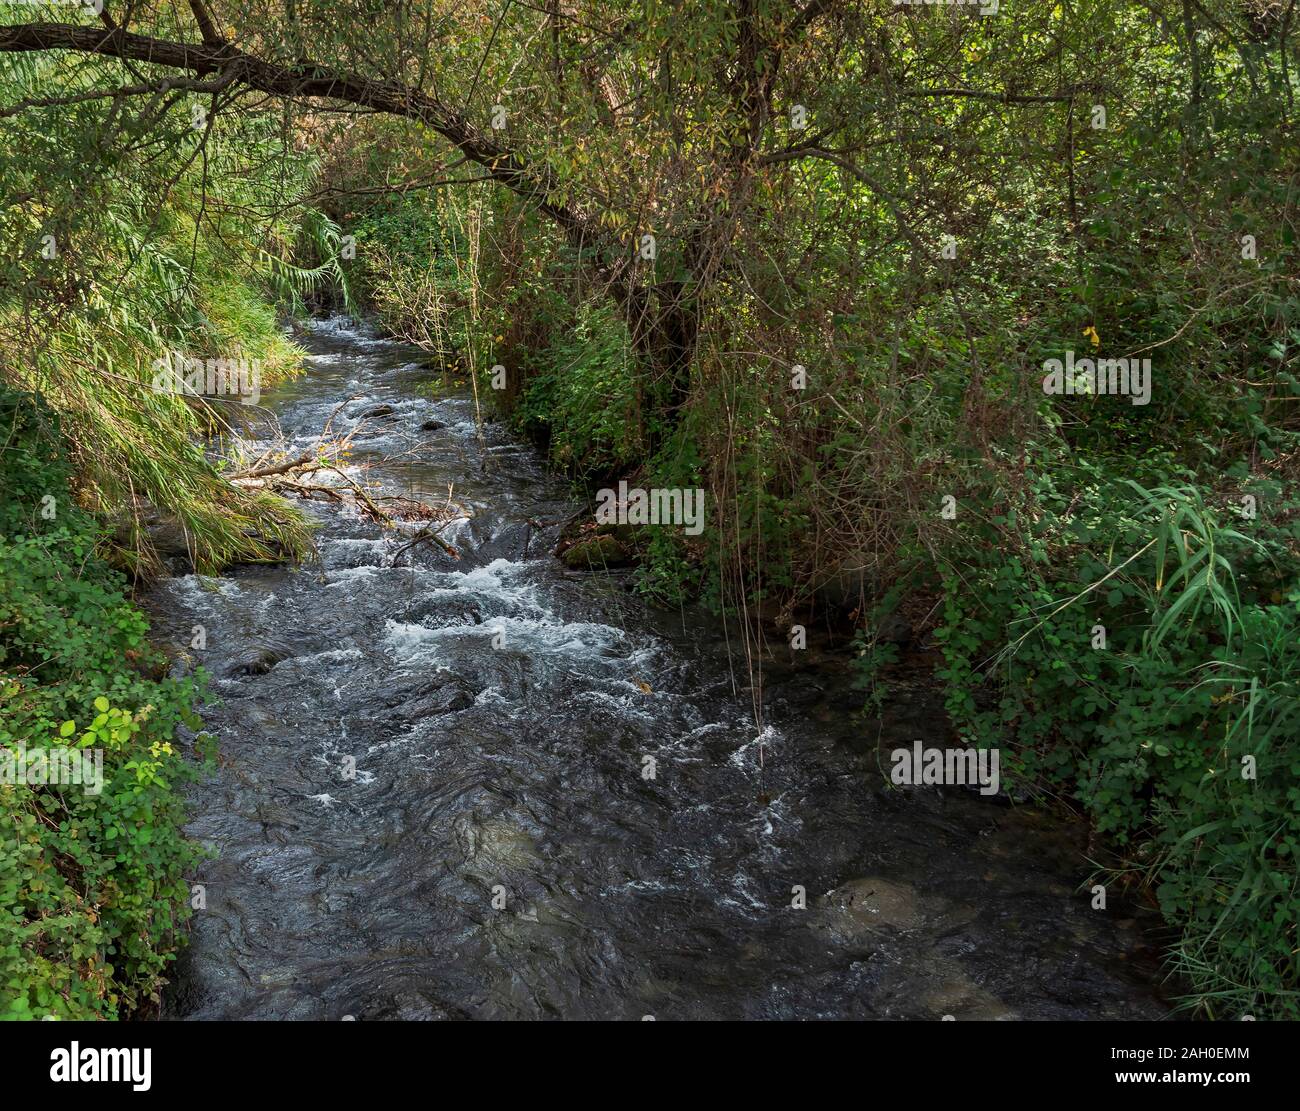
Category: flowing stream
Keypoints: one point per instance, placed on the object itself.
(516, 774)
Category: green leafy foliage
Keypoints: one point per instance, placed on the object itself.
(1139, 650)
(92, 888)
(112, 259)
(952, 212)
(414, 269)
(583, 399)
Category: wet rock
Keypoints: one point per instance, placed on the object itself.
(378, 411)
(952, 992)
(446, 700)
(624, 534)
(255, 660)
(495, 847)
(432, 425)
(595, 554)
(165, 533)
(430, 699)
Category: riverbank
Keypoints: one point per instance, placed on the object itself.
(94, 870)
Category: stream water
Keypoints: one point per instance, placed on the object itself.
(515, 775)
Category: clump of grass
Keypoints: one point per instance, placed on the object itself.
(150, 262)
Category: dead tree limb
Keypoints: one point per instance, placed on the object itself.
(275, 468)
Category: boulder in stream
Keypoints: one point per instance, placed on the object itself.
(595, 554)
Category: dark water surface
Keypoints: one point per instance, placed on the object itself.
(520, 769)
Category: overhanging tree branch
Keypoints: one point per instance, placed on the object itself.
(165, 85)
(308, 81)
(1006, 98)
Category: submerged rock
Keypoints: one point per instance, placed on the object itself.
(872, 901)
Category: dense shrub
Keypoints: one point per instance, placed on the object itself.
(413, 270)
(1139, 650)
(92, 892)
(583, 398)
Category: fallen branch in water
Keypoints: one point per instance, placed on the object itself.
(275, 468)
(326, 451)
(420, 537)
(287, 477)
(304, 489)
(376, 513)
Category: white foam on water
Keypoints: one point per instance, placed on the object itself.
(776, 813)
(198, 589)
(332, 654)
(740, 883)
(344, 575)
(356, 542)
(677, 749)
(584, 642)
(408, 738)
(496, 581)
(345, 327)
(747, 755)
(625, 704)
(411, 643)
(708, 727)
(644, 654)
